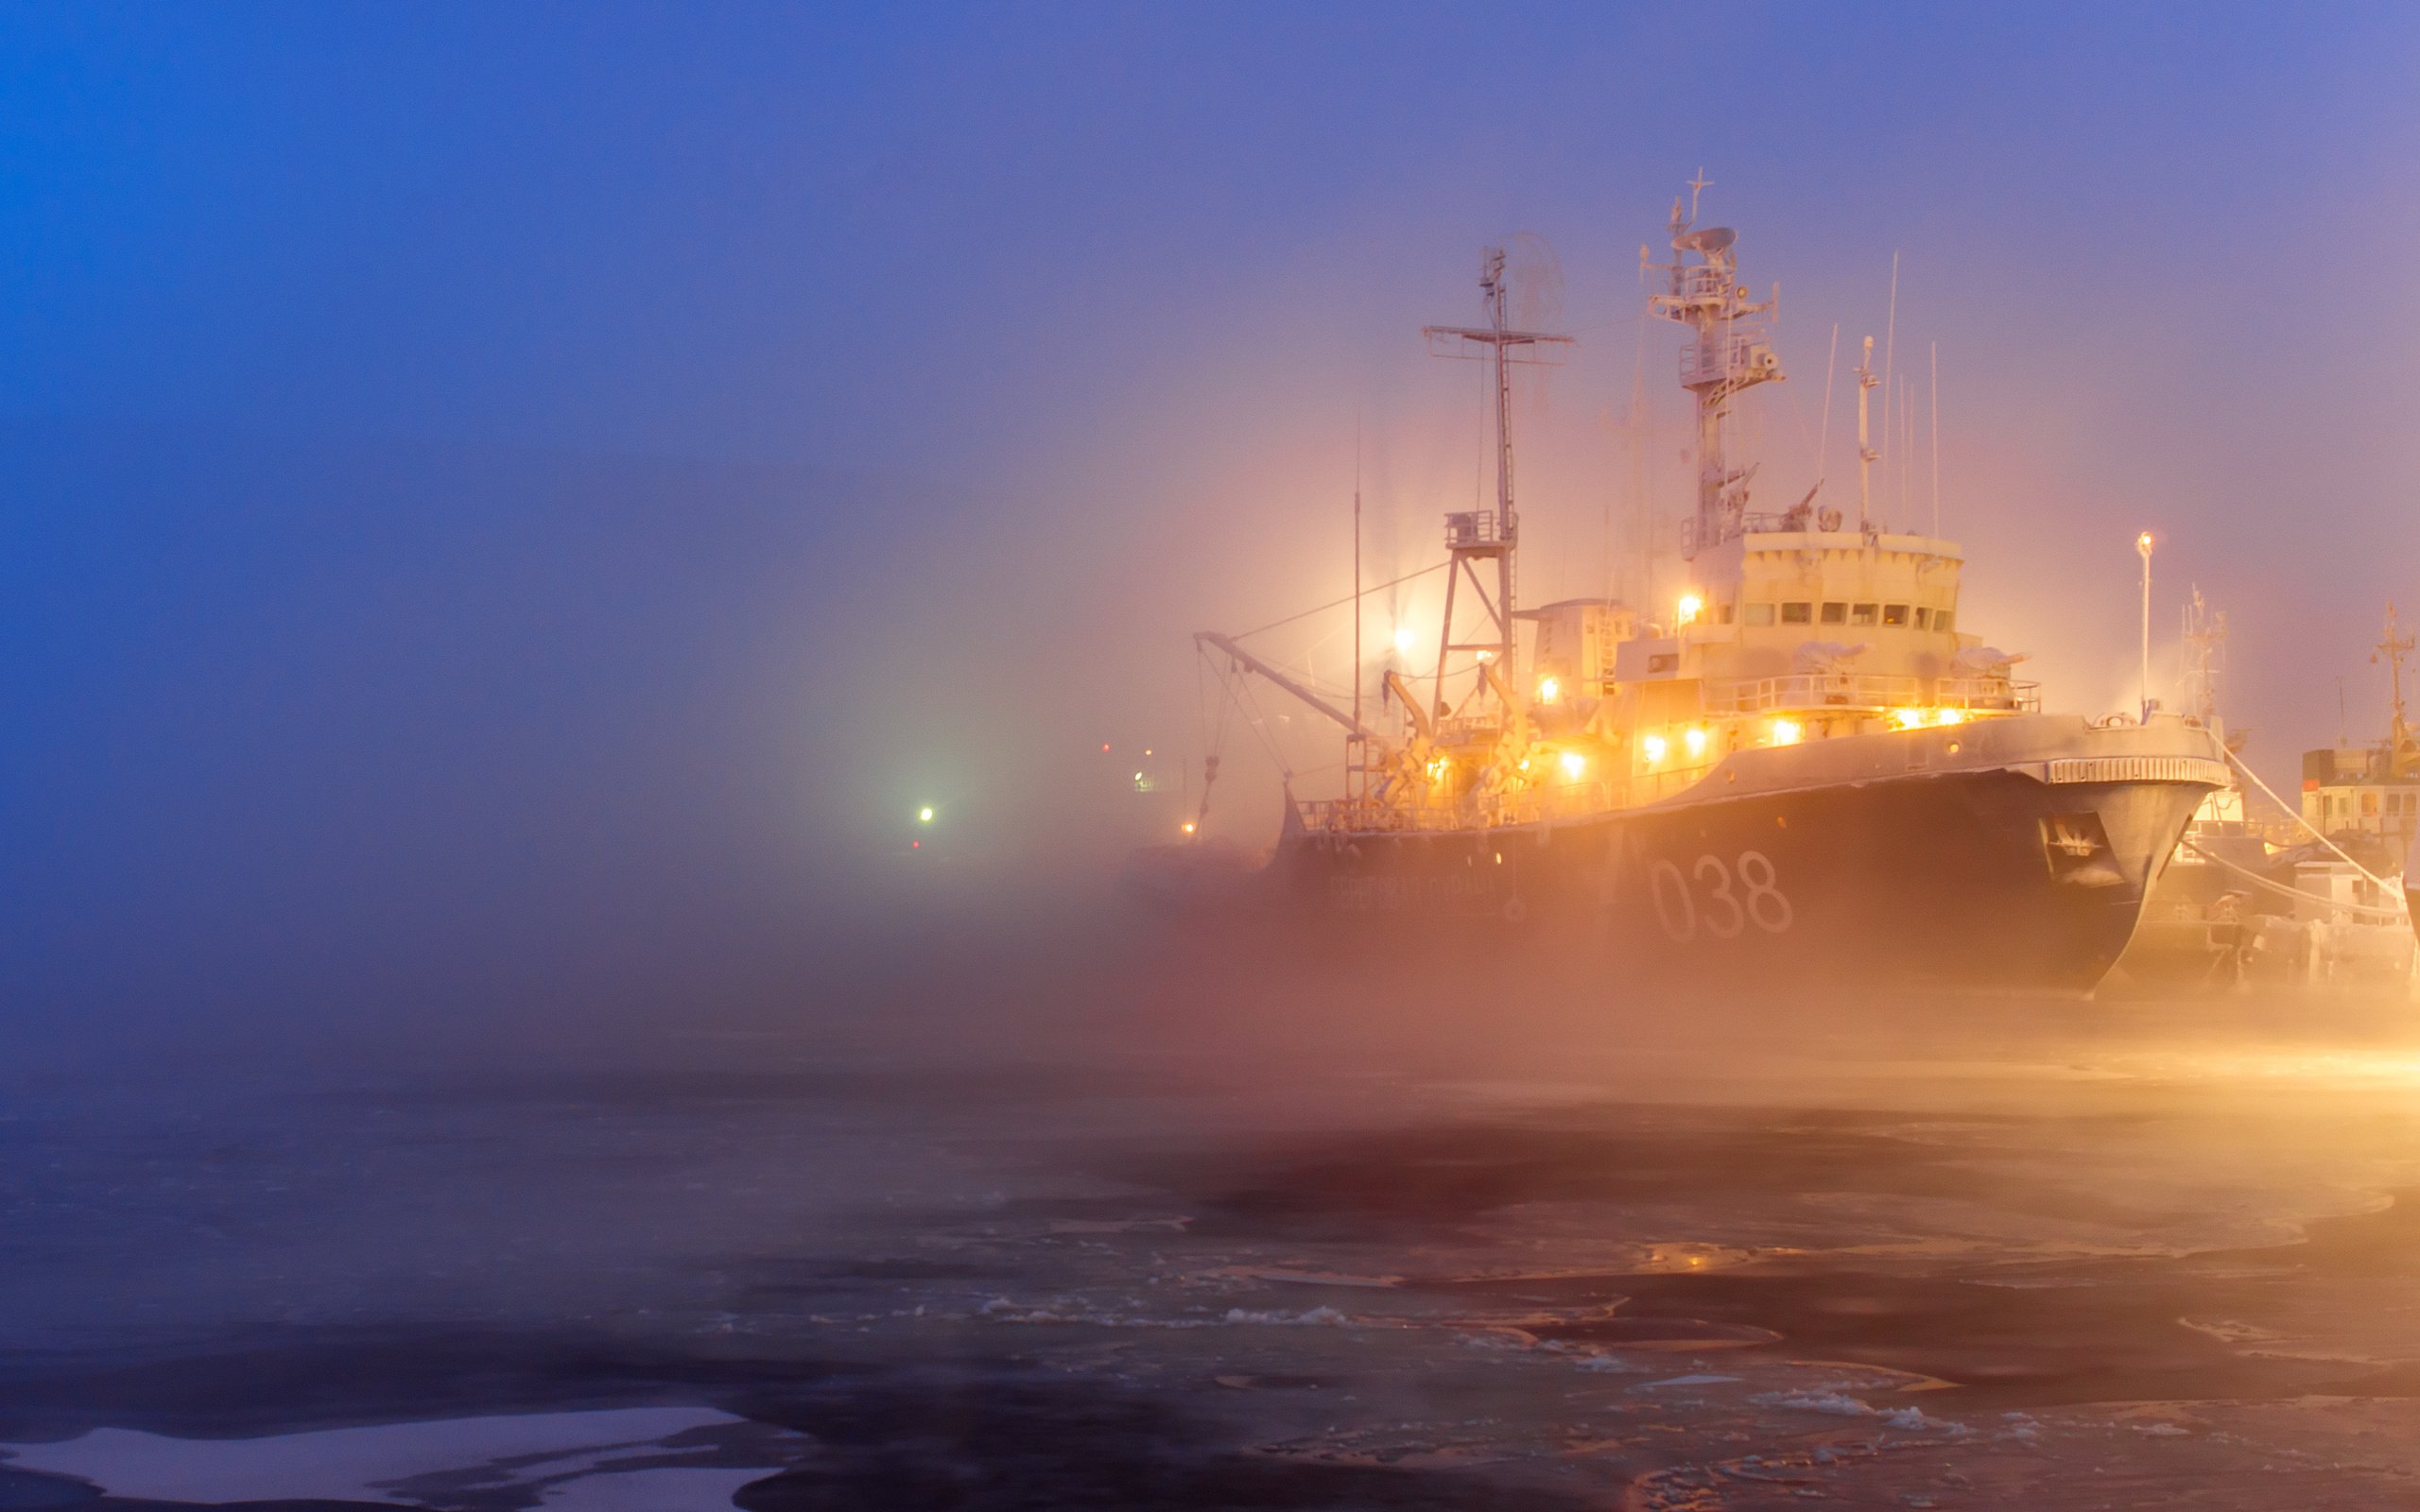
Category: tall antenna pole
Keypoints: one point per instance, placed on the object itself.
(2143, 544)
(1889, 345)
(1358, 672)
(1933, 409)
(1865, 452)
(1823, 446)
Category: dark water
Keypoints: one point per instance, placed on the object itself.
(2021, 1253)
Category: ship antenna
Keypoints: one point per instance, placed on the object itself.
(1889, 345)
(1866, 455)
(1358, 672)
(1934, 408)
(1823, 446)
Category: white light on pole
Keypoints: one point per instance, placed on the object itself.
(2143, 544)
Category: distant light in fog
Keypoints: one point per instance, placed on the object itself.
(1188, 826)
(1403, 637)
(924, 815)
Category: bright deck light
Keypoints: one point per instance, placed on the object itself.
(1787, 732)
(1574, 764)
(1691, 606)
(1654, 747)
(1403, 637)
(1907, 718)
(1949, 716)
(1696, 739)
(1549, 690)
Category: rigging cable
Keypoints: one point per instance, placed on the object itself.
(2395, 915)
(2237, 762)
(1348, 598)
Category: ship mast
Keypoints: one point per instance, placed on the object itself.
(2205, 634)
(1729, 351)
(1476, 535)
(2401, 756)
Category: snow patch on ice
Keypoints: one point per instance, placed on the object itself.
(1316, 1317)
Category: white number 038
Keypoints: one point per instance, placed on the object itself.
(1733, 897)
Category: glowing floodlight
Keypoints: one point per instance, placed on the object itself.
(1696, 739)
(1574, 765)
(1949, 716)
(1654, 747)
(924, 815)
(1549, 690)
(1691, 606)
(1908, 718)
(1403, 637)
(1787, 732)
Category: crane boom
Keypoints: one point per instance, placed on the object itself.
(1227, 645)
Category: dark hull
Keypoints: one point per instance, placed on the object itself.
(1973, 880)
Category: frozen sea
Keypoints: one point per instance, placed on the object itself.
(1924, 1254)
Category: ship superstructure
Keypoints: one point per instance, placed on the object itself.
(1802, 756)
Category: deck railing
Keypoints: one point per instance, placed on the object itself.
(1820, 691)
(1527, 805)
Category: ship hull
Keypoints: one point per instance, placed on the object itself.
(1982, 874)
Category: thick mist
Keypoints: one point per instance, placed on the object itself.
(510, 516)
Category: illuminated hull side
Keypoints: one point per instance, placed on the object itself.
(2009, 855)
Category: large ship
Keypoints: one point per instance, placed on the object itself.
(1802, 763)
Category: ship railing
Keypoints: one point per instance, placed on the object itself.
(1525, 805)
(1465, 729)
(1721, 357)
(1471, 527)
(2001, 694)
(1871, 692)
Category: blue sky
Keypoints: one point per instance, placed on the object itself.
(754, 418)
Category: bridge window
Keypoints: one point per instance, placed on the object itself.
(1757, 613)
(1836, 613)
(1941, 621)
(1895, 614)
(1797, 614)
(1923, 619)
(1722, 615)
(1861, 613)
